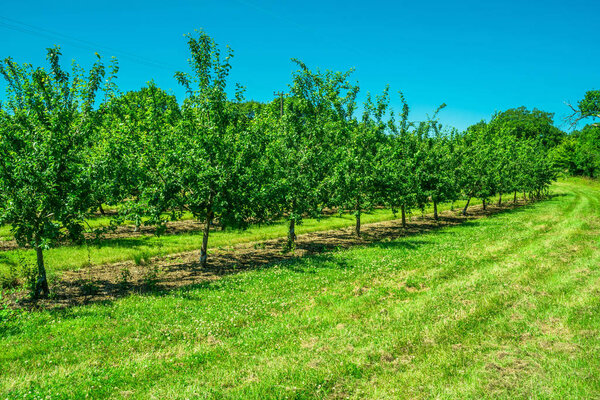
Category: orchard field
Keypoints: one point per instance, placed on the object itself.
(307, 247)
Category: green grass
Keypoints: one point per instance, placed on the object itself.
(503, 307)
(116, 250)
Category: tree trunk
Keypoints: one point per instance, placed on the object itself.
(101, 209)
(484, 205)
(515, 199)
(500, 200)
(524, 196)
(41, 285)
(292, 232)
(205, 233)
(464, 212)
(403, 217)
(357, 228)
(435, 213)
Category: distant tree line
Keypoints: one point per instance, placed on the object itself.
(64, 152)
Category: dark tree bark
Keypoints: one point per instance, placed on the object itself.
(484, 205)
(500, 200)
(41, 285)
(403, 217)
(292, 232)
(435, 212)
(205, 233)
(357, 227)
(515, 199)
(464, 211)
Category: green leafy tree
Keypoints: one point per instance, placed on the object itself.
(357, 172)
(586, 154)
(137, 129)
(401, 189)
(563, 156)
(45, 138)
(208, 169)
(505, 165)
(475, 177)
(436, 164)
(588, 107)
(526, 124)
(538, 171)
(305, 140)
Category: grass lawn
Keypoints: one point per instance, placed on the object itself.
(501, 307)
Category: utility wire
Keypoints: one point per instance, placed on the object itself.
(19, 26)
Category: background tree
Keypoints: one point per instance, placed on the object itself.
(356, 179)
(587, 151)
(305, 142)
(588, 107)
(435, 164)
(475, 177)
(505, 164)
(45, 138)
(526, 124)
(137, 128)
(400, 183)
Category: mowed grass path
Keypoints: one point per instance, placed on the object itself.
(502, 307)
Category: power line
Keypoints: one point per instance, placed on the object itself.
(19, 26)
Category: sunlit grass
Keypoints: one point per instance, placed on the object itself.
(502, 307)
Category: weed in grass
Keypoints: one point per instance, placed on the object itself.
(151, 277)
(260, 246)
(141, 258)
(288, 247)
(11, 279)
(124, 276)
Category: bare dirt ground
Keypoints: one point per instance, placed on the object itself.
(102, 283)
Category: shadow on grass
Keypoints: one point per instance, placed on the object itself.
(103, 284)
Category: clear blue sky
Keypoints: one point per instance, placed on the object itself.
(476, 56)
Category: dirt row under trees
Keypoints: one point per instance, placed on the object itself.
(98, 283)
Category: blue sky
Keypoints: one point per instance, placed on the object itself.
(476, 56)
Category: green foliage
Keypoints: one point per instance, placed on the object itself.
(317, 116)
(400, 186)
(585, 152)
(137, 127)
(232, 163)
(525, 124)
(46, 183)
(589, 106)
(356, 175)
(435, 164)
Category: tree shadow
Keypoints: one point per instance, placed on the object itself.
(102, 284)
